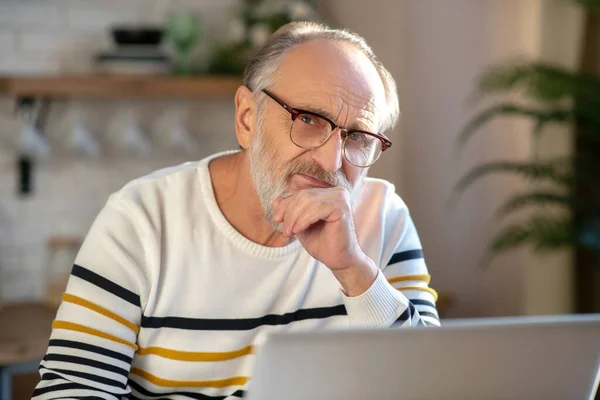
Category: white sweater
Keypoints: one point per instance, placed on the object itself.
(167, 300)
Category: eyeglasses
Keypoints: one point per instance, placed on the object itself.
(310, 130)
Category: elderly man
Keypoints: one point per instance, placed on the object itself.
(185, 271)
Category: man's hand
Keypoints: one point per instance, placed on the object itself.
(322, 219)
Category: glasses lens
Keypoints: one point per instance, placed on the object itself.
(361, 149)
(309, 131)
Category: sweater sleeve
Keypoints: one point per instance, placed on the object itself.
(94, 334)
(400, 295)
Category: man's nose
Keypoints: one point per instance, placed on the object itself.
(330, 154)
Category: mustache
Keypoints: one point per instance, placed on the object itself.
(337, 178)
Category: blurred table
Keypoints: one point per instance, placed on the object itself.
(24, 332)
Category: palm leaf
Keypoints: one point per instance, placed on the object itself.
(591, 5)
(542, 82)
(544, 233)
(509, 109)
(513, 236)
(539, 198)
(558, 171)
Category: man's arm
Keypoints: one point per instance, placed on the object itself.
(374, 295)
(399, 295)
(407, 273)
(401, 291)
(95, 331)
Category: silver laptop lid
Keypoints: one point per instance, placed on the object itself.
(506, 358)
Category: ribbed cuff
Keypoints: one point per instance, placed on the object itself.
(376, 307)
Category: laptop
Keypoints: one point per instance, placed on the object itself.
(530, 358)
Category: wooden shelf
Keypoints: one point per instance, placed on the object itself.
(119, 87)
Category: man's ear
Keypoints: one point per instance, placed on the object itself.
(245, 116)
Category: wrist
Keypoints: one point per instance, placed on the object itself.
(358, 277)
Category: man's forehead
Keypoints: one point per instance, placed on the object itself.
(331, 75)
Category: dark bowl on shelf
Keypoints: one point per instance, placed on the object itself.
(137, 35)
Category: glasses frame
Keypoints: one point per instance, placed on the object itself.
(295, 112)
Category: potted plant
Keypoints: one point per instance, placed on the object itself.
(564, 193)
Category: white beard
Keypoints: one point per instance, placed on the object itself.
(269, 185)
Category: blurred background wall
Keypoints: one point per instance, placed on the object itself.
(435, 49)
(445, 49)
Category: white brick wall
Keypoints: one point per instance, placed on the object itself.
(8, 40)
(27, 14)
(54, 36)
(70, 189)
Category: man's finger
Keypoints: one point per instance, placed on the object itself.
(310, 218)
(295, 208)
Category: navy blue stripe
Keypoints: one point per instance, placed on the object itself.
(49, 376)
(419, 302)
(242, 324)
(428, 314)
(91, 377)
(411, 308)
(80, 398)
(87, 362)
(56, 388)
(406, 256)
(105, 284)
(198, 396)
(404, 316)
(91, 348)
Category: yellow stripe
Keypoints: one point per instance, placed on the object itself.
(81, 328)
(425, 277)
(221, 383)
(69, 298)
(425, 289)
(195, 356)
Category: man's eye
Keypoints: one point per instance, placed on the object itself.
(356, 136)
(307, 120)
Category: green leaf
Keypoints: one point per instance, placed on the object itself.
(558, 171)
(510, 109)
(542, 232)
(508, 238)
(539, 198)
(591, 5)
(542, 82)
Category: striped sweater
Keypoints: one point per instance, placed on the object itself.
(166, 300)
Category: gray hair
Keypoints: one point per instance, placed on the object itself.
(262, 69)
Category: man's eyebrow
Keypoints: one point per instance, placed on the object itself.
(362, 127)
(359, 126)
(316, 110)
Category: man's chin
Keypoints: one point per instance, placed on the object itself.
(277, 226)
(269, 218)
